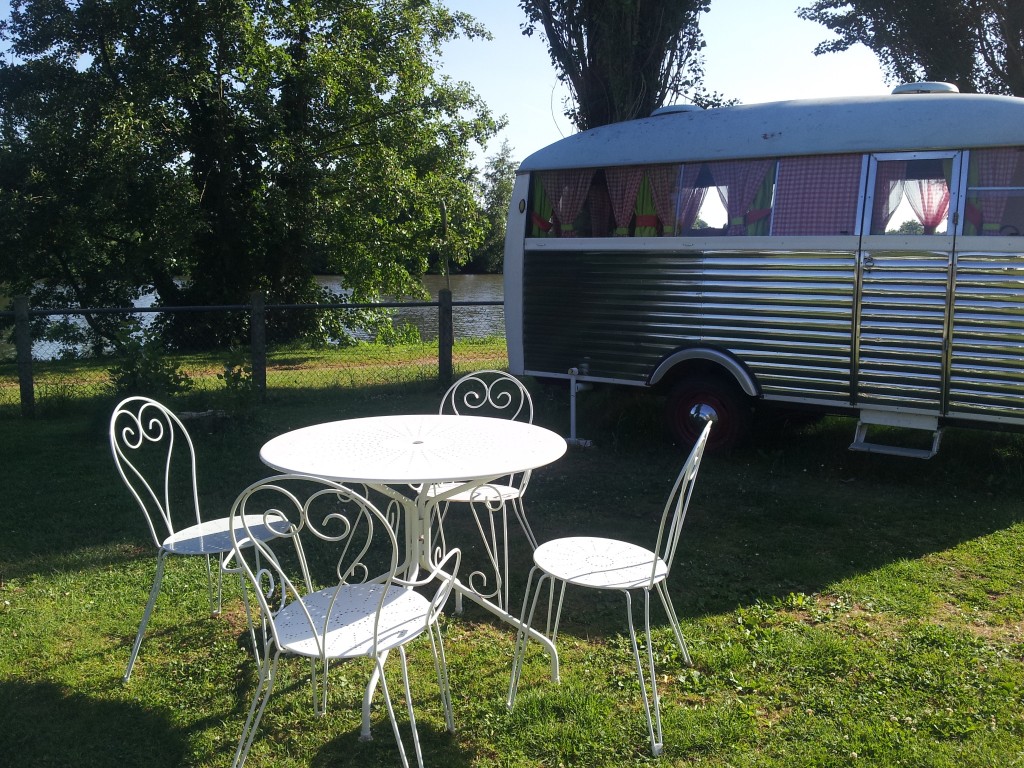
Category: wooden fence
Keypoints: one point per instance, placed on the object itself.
(23, 314)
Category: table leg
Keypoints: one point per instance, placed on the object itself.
(424, 505)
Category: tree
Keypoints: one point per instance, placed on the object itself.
(622, 59)
(495, 196)
(202, 149)
(976, 44)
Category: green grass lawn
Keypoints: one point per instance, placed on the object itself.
(841, 608)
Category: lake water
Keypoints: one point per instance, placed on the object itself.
(469, 322)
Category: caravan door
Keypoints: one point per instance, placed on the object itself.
(905, 268)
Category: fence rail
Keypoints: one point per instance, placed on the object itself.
(258, 356)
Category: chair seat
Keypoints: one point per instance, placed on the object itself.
(213, 537)
(483, 493)
(349, 633)
(599, 563)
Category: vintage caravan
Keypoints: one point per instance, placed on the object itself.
(858, 255)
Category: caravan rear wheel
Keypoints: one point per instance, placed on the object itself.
(712, 396)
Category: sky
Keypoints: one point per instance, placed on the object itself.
(757, 50)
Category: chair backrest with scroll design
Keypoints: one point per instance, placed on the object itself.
(489, 393)
(155, 457)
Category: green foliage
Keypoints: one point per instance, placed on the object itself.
(391, 335)
(212, 149)
(243, 394)
(910, 227)
(495, 193)
(143, 369)
(622, 59)
(977, 45)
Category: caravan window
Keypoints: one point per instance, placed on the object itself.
(817, 195)
(732, 198)
(725, 198)
(995, 192)
(797, 196)
(911, 196)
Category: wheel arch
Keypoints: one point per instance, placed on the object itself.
(702, 360)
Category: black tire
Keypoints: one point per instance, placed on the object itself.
(733, 411)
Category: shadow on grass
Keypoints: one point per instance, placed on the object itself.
(440, 748)
(44, 725)
(793, 512)
(62, 491)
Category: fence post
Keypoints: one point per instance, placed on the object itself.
(258, 338)
(445, 337)
(23, 348)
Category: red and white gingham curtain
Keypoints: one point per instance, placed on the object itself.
(996, 168)
(691, 198)
(889, 179)
(817, 195)
(623, 186)
(567, 191)
(930, 200)
(664, 180)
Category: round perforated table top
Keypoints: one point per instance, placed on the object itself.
(413, 449)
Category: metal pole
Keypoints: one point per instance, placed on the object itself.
(574, 387)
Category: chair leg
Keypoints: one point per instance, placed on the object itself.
(653, 725)
(673, 620)
(216, 599)
(264, 687)
(161, 558)
(318, 684)
(520, 510)
(365, 731)
(522, 636)
(443, 681)
(391, 709)
(552, 632)
(409, 707)
(250, 621)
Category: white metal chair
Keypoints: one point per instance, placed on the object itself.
(500, 395)
(156, 459)
(611, 564)
(330, 589)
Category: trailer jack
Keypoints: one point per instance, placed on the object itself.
(574, 387)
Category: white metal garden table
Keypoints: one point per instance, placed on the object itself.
(402, 456)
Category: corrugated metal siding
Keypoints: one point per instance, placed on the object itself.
(786, 315)
(987, 352)
(902, 327)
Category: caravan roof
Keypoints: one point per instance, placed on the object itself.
(893, 123)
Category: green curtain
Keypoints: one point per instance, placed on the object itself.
(759, 218)
(646, 213)
(540, 209)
